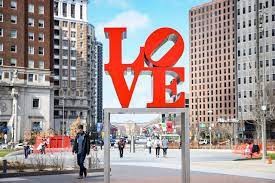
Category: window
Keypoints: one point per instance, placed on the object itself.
(1, 47)
(73, 25)
(273, 47)
(31, 36)
(41, 78)
(41, 10)
(56, 8)
(30, 77)
(31, 8)
(31, 64)
(13, 33)
(1, 32)
(64, 9)
(31, 22)
(41, 23)
(1, 61)
(36, 126)
(13, 62)
(13, 4)
(81, 12)
(73, 73)
(273, 32)
(13, 48)
(41, 64)
(41, 37)
(13, 19)
(65, 72)
(273, 62)
(65, 24)
(273, 77)
(35, 103)
(73, 34)
(31, 50)
(1, 3)
(73, 11)
(1, 17)
(40, 50)
(273, 17)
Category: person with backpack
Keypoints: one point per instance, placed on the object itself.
(157, 146)
(81, 147)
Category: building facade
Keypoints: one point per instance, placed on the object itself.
(255, 64)
(99, 82)
(26, 32)
(212, 65)
(74, 64)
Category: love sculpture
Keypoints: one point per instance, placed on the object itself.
(158, 69)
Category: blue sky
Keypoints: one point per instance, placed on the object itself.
(141, 17)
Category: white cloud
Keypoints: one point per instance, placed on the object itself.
(114, 3)
(132, 20)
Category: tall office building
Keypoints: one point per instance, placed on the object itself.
(74, 49)
(253, 73)
(99, 82)
(212, 64)
(25, 67)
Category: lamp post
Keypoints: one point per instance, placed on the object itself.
(210, 129)
(63, 122)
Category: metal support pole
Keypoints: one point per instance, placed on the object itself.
(63, 122)
(106, 147)
(185, 153)
(5, 166)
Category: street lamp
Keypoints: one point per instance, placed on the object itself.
(210, 126)
(63, 122)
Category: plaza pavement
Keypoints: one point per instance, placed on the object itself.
(218, 163)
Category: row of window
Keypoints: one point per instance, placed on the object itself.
(250, 22)
(31, 51)
(65, 62)
(244, 53)
(249, 65)
(65, 34)
(249, 108)
(65, 72)
(261, 6)
(31, 22)
(250, 80)
(216, 112)
(262, 34)
(31, 37)
(212, 6)
(31, 9)
(30, 77)
(65, 53)
(66, 7)
(30, 63)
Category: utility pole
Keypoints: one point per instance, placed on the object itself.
(264, 101)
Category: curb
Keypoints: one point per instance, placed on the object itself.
(43, 173)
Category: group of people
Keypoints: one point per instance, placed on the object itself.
(250, 149)
(158, 144)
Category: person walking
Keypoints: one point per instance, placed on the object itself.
(149, 145)
(82, 148)
(121, 145)
(164, 146)
(26, 149)
(157, 146)
(101, 143)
